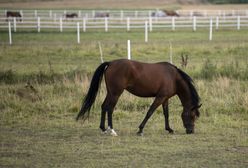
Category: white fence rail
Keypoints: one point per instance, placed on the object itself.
(106, 24)
(124, 13)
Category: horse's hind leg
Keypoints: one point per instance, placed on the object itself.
(157, 102)
(166, 116)
(108, 106)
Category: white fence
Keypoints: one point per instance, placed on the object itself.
(170, 23)
(124, 13)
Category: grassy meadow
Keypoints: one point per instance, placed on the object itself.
(38, 127)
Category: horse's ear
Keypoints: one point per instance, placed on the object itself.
(196, 107)
(199, 106)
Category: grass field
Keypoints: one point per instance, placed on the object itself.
(38, 128)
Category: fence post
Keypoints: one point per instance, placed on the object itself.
(128, 24)
(50, 13)
(10, 36)
(122, 15)
(173, 23)
(210, 29)
(61, 24)
(100, 48)
(150, 23)
(84, 24)
(35, 13)
(38, 24)
(14, 24)
(128, 50)
(106, 24)
(217, 23)
(78, 33)
(146, 31)
(238, 23)
(194, 23)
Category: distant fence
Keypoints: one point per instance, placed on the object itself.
(107, 23)
(124, 13)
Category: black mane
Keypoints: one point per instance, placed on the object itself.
(194, 95)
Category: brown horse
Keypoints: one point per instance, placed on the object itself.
(99, 15)
(160, 80)
(13, 14)
(71, 15)
(171, 13)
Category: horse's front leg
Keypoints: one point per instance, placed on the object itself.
(157, 102)
(166, 117)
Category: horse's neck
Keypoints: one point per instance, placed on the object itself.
(184, 94)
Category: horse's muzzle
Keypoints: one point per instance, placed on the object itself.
(189, 131)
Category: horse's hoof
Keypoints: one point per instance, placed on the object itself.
(140, 133)
(170, 131)
(111, 132)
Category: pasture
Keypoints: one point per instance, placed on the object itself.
(38, 128)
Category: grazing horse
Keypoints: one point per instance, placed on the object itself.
(171, 13)
(160, 80)
(97, 15)
(71, 15)
(13, 14)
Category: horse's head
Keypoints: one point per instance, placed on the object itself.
(189, 116)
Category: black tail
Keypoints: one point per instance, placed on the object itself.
(92, 92)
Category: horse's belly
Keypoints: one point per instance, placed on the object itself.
(141, 92)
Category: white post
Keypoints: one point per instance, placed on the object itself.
(93, 13)
(150, 23)
(61, 24)
(22, 16)
(79, 13)
(38, 24)
(50, 14)
(10, 37)
(35, 13)
(84, 24)
(194, 23)
(210, 29)
(173, 23)
(217, 23)
(146, 31)
(14, 24)
(106, 24)
(128, 50)
(78, 33)
(128, 24)
(238, 23)
(122, 15)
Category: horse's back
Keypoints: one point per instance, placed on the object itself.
(141, 79)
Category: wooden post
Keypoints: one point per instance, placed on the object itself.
(100, 48)
(128, 50)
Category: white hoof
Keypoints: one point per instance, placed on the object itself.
(112, 132)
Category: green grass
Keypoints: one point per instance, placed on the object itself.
(39, 129)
